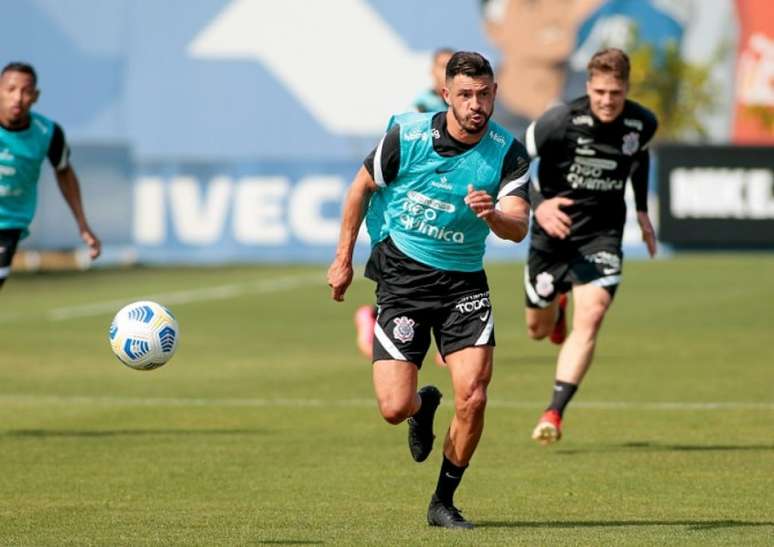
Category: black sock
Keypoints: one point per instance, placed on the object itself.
(563, 393)
(448, 481)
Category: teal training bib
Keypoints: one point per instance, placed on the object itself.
(21, 155)
(424, 210)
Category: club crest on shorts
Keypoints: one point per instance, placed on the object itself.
(631, 142)
(544, 284)
(404, 329)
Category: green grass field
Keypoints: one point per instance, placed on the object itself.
(263, 429)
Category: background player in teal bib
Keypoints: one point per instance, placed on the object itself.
(26, 139)
(431, 100)
(445, 180)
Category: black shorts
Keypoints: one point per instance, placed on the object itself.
(414, 299)
(9, 239)
(549, 273)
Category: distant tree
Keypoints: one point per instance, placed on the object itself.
(679, 93)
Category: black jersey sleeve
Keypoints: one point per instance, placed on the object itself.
(58, 151)
(639, 177)
(650, 125)
(547, 130)
(514, 177)
(641, 161)
(385, 169)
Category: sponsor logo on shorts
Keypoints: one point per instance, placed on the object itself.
(610, 262)
(474, 303)
(404, 329)
(544, 284)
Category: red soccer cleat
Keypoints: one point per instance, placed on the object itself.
(560, 327)
(549, 428)
(365, 319)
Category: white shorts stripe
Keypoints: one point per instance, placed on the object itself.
(378, 174)
(607, 281)
(531, 293)
(387, 344)
(483, 340)
(4, 272)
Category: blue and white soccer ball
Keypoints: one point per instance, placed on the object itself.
(144, 335)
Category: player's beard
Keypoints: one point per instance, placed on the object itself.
(467, 124)
(17, 116)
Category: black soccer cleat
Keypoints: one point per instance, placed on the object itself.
(446, 516)
(420, 435)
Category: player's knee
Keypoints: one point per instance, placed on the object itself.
(536, 329)
(394, 411)
(590, 319)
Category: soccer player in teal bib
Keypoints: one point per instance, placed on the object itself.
(430, 100)
(26, 139)
(441, 182)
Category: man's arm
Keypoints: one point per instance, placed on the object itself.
(59, 156)
(544, 136)
(71, 190)
(353, 211)
(510, 220)
(639, 177)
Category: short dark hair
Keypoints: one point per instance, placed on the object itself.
(24, 68)
(610, 61)
(468, 63)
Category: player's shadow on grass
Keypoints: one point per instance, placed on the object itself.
(645, 446)
(656, 447)
(289, 542)
(691, 525)
(97, 433)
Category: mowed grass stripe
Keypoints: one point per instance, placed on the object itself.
(25, 399)
(176, 298)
